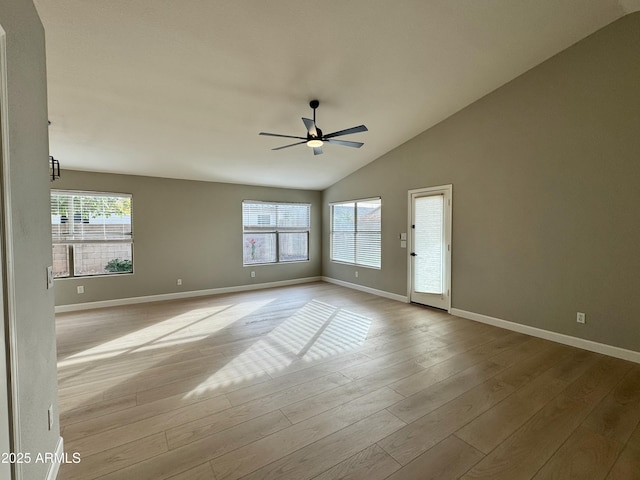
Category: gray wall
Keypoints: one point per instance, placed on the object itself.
(189, 230)
(545, 174)
(27, 228)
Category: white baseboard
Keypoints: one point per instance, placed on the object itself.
(174, 296)
(52, 474)
(609, 350)
(362, 288)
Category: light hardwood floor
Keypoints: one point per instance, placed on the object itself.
(321, 382)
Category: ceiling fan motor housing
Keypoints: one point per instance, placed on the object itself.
(318, 131)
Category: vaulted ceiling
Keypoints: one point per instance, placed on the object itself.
(181, 88)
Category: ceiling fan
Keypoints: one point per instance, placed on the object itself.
(315, 138)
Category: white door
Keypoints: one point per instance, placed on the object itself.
(430, 246)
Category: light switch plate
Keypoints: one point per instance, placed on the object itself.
(49, 277)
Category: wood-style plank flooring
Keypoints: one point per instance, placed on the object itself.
(321, 382)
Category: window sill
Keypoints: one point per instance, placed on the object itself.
(247, 265)
(102, 275)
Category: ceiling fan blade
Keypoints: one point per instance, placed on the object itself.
(279, 135)
(359, 128)
(344, 143)
(317, 150)
(287, 146)
(311, 126)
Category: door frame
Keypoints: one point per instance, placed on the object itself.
(447, 190)
(8, 375)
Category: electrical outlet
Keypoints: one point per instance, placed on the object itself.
(253, 274)
(179, 281)
(356, 274)
(80, 289)
(50, 416)
(581, 317)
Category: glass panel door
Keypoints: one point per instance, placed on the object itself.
(430, 246)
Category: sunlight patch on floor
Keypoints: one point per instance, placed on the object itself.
(192, 326)
(315, 332)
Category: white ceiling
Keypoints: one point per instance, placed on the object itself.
(181, 88)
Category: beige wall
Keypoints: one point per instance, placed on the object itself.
(188, 230)
(545, 174)
(26, 189)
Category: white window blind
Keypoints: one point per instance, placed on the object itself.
(356, 232)
(429, 243)
(81, 217)
(275, 232)
(91, 233)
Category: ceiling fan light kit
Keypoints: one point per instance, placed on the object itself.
(315, 138)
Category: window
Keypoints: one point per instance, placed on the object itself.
(356, 232)
(91, 233)
(275, 232)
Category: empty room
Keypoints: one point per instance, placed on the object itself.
(320, 240)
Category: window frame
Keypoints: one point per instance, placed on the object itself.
(276, 231)
(355, 232)
(71, 243)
